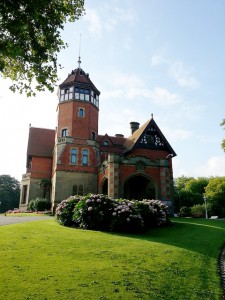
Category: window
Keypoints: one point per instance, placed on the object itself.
(74, 190)
(94, 98)
(81, 190)
(66, 94)
(81, 112)
(65, 132)
(78, 190)
(105, 143)
(73, 156)
(93, 135)
(84, 157)
(24, 195)
(82, 94)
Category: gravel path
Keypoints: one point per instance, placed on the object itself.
(7, 220)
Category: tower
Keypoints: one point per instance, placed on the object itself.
(76, 151)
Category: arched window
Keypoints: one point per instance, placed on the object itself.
(84, 157)
(81, 112)
(73, 156)
(65, 132)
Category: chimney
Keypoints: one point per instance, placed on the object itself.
(134, 126)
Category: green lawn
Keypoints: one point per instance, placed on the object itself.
(43, 260)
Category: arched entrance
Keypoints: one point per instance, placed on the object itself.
(105, 187)
(139, 187)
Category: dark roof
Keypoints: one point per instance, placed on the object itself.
(115, 143)
(132, 141)
(78, 76)
(41, 142)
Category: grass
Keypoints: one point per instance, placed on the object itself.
(43, 260)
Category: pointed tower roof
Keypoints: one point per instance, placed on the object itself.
(148, 136)
(78, 76)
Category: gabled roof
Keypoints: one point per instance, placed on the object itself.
(148, 136)
(78, 76)
(40, 142)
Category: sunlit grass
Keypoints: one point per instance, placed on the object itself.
(43, 260)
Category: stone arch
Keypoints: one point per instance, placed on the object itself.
(140, 187)
(104, 186)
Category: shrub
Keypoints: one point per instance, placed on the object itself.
(198, 211)
(185, 211)
(153, 212)
(126, 218)
(94, 212)
(39, 204)
(31, 205)
(99, 212)
(64, 210)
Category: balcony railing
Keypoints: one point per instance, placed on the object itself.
(65, 139)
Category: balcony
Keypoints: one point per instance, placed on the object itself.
(65, 140)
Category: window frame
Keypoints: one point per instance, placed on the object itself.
(85, 157)
(74, 156)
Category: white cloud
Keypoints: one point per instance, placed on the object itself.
(131, 86)
(158, 59)
(178, 134)
(164, 97)
(98, 19)
(94, 21)
(183, 76)
(128, 16)
(215, 166)
(177, 70)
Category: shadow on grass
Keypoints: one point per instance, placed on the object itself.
(206, 237)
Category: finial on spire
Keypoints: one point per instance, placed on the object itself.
(152, 116)
(79, 61)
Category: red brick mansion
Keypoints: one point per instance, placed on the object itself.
(79, 160)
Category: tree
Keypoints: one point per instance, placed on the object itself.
(45, 186)
(30, 40)
(189, 191)
(181, 182)
(9, 193)
(197, 185)
(223, 141)
(215, 195)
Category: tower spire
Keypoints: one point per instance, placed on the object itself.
(79, 61)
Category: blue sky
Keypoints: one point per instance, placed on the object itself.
(165, 57)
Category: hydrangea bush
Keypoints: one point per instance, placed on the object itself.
(125, 217)
(153, 212)
(94, 212)
(99, 212)
(64, 210)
